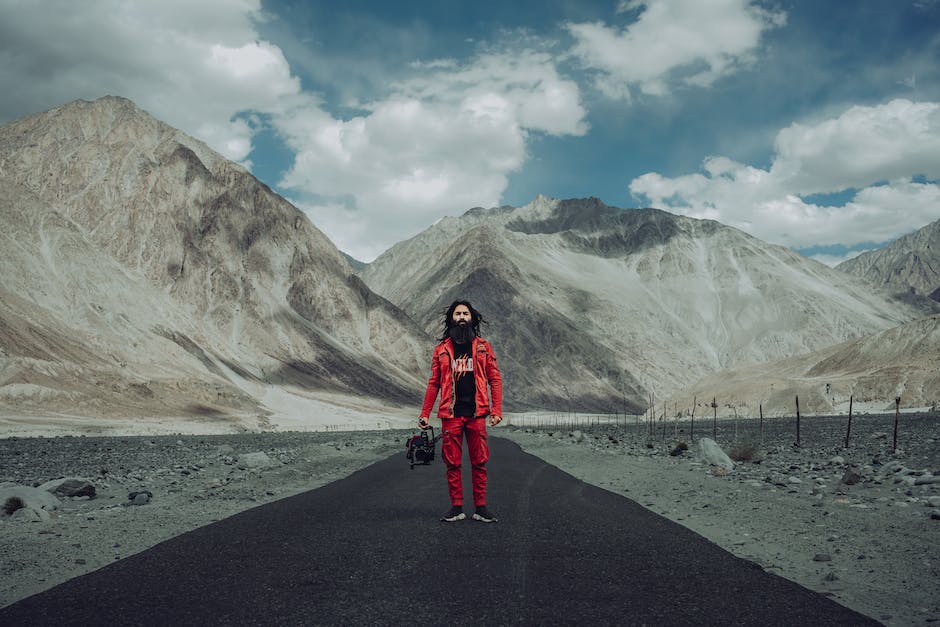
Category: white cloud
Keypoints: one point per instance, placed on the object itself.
(673, 42)
(439, 144)
(192, 65)
(861, 146)
(859, 150)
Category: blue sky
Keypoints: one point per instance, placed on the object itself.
(815, 125)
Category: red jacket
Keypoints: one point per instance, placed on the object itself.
(485, 371)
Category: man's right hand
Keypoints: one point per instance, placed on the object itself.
(423, 423)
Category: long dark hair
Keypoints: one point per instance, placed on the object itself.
(476, 318)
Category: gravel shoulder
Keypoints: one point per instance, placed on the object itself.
(873, 545)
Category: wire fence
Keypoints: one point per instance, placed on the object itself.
(836, 430)
(569, 421)
(381, 425)
(829, 430)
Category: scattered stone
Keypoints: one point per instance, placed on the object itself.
(851, 477)
(141, 497)
(831, 577)
(679, 449)
(258, 459)
(822, 557)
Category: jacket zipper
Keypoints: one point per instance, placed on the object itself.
(453, 386)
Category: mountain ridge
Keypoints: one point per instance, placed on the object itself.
(909, 266)
(210, 295)
(900, 362)
(268, 293)
(656, 300)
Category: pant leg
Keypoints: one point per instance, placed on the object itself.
(479, 451)
(452, 452)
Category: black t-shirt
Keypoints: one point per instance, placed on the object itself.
(464, 383)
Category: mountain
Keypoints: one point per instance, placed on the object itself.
(875, 369)
(908, 267)
(79, 331)
(354, 263)
(593, 307)
(142, 255)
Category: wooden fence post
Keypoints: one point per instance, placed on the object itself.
(797, 420)
(848, 429)
(897, 411)
(715, 419)
(761, 409)
(664, 421)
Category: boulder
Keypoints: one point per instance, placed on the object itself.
(29, 497)
(69, 487)
(709, 451)
(30, 514)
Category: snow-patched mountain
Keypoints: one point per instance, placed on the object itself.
(137, 257)
(909, 266)
(873, 370)
(593, 306)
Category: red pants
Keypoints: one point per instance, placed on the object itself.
(452, 450)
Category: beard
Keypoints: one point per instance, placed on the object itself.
(461, 333)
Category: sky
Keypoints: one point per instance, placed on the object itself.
(812, 124)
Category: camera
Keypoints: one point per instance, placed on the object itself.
(421, 448)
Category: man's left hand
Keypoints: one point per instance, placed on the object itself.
(495, 420)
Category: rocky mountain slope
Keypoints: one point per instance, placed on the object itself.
(135, 250)
(594, 307)
(79, 331)
(909, 266)
(902, 362)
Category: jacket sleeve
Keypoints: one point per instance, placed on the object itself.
(434, 385)
(496, 383)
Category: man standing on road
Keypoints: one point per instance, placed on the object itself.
(462, 367)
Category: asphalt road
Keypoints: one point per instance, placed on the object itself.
(370, 550)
